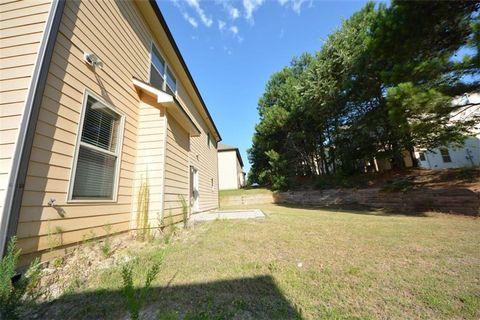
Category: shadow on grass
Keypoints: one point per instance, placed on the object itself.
(355, 209)
(245, 298)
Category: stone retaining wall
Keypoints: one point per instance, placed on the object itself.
(457, 201)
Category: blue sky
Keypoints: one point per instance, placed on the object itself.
(232, 47)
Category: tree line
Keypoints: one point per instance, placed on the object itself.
(379, 86)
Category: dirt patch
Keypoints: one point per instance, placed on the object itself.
(66, 274)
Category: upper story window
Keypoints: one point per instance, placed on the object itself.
(422, 156)
(445, 155)
(171, 81)
(95, 171)
(161, 76)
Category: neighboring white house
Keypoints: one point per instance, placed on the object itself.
(230, 168)
(466, 156)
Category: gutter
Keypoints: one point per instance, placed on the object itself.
(163, 22)
(23, 148)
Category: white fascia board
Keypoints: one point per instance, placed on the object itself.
(162, 97)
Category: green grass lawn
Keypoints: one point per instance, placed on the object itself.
(243, 192)
(302, 263)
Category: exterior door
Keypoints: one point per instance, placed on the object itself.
(194, 190)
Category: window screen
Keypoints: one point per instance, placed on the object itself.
(98, 153)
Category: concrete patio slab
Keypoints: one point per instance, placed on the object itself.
(228, 215)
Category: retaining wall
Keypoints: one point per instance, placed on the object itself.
(454, 200)
(457, 201)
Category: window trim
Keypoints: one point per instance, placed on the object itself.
(167, 67)
(86, 94)
(421, 155)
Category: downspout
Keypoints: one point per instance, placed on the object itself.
(23, 148)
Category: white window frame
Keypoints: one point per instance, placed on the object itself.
(87, 93)
(167, 67)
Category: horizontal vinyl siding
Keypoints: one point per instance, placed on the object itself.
(22, 26)
(176, 170)
(207, 162)
(113, 31)
(150, 161)
(117, 33)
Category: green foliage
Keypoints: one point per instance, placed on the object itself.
(13, 294)
(380, 85)
(333, 181)
(106, 246)
(135, 297)
(54, 236)
(184, 211)
(424, 116)
(277, 171)
(169, 228)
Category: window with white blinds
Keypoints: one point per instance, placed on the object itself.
(96, 165)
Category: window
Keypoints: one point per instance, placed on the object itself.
(95, 171)
(157, 69)
(422, 156)
(445, 155)
(171, 81)
(161, 76)
(208, 140)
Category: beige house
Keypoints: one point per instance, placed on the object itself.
(230, 168)
(100, 121)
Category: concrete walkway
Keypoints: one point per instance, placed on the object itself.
(228, 214)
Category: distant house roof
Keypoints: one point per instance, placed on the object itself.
(225, 147)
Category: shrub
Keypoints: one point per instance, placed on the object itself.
(13, 294)
(135, 298)
(184, 211)
(106, 246)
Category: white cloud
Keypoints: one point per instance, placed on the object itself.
(234, 13)
(250, 6)
(234, 30)
(296, 5)
(221, 25)
(227, 50)
(190, 20)
(195, 4)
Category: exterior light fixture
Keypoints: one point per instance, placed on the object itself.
(93, 60)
